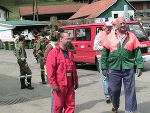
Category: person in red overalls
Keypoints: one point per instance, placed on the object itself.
(62, 75)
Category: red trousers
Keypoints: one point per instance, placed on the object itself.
(65, 98)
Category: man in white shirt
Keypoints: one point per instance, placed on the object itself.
(98, 46)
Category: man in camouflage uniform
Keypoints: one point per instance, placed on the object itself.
(34, 49)
(25, 71)
(40, 47)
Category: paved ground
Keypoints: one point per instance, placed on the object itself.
(89, 97)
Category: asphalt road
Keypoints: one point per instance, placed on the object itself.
(89, 96)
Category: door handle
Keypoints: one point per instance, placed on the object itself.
(89, 45)
(76, 45)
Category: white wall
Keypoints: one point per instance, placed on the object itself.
(2, 15)
(121, 13)
(6, 35)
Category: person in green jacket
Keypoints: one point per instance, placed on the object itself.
(25, 71)
(122, 60)
(40, 47)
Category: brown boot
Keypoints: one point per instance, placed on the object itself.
(115, 110)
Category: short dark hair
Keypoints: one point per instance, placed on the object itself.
(61, 34)
(60, 30)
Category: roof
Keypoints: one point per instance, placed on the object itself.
(4, 8)
(51, 9)
(94, 9)
(22, 23)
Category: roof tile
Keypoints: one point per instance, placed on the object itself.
(94, 9)
(51, 9)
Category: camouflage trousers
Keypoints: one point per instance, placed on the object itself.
(24, 68)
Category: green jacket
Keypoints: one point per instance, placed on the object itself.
(19, 51)
(121, 58)
(40, 46)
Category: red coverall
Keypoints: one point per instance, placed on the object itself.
(62, 73)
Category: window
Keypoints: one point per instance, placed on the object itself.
(137, 30)
(99, 29)
(83, 34)
(148, 14)
(115, 15)
(141, 15)
(71, 33)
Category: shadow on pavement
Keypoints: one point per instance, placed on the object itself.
(87, 105)
(111, 111)
(87, 67)
(88, 84)
(10, 92)
(142, 108)
(86, 75)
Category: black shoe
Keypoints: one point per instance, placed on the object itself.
(115, 110)
(108, 100)
(23, 87)
(43, 82)
(29, 84)
(30, 87)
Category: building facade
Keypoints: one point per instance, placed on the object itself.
(4, 13)
(105, 10)
(142, 9)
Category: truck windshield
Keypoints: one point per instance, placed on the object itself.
(136, 28)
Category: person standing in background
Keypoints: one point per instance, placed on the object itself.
(25, 71)
(40, 47)
(98, 46)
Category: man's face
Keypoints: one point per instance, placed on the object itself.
(66, 39)
(108, 29)
(121, 25)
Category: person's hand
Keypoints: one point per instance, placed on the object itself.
(138, 72)
(76, 86)
(105, 72)
(56, 89)
(26, 65)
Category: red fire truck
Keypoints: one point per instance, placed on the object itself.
(84, 35)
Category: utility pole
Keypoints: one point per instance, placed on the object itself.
(37, 15)
(35, 10)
